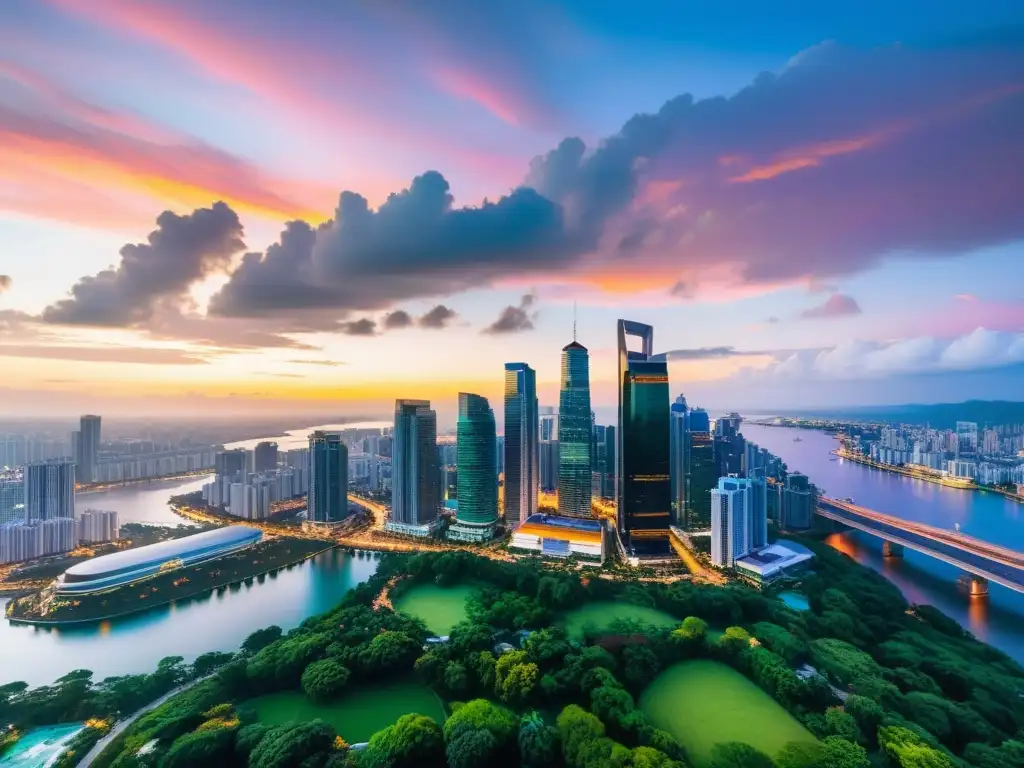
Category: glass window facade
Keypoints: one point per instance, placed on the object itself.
(574, 433)
(328, 478)
(415, 464)
(477, 483)
(521, 444)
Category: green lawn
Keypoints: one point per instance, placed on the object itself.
(601, 615)
(703, 703)
(440, 607)
(359, 713)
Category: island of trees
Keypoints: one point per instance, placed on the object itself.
(865, 679)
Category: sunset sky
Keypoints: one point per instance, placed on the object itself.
(221, 207)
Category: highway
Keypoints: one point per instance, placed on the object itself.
(993, 562)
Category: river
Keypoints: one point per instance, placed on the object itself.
(998, 621)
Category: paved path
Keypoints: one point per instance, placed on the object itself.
(119, 728)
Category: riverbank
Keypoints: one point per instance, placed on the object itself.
(181, 584)
(101, 487)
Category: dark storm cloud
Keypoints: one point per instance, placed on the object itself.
(514, 319)
(182, 250)
(397, 319)
(362, 327)
(836, 305)
(437, 318)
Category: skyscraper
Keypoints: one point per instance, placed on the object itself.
(49, 489)
(730, 521)
(702, 472)
(88, 448)
(548, 449)
(266, 456)
(328, 478)
(231, 464)
(758, 508)
(477, 513)
(798, 499)
(522, 421)
(574, 426)
(415, 465)
(12, 496)
(644, 484)
(679, 444)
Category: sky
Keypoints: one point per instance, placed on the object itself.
(252, 207)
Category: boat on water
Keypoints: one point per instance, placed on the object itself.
(798, 439)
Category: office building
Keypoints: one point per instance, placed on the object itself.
(783, 558)
(522, 422)
(548, 423)
(477, 513)
(574, 428)
(798, 500)
(231, 463)
(95, 526)
(702, 472)
(328, 478)
(265, 457)
(758, 508)
(679, 450)
(415, 469)
(644, 484)
(12, 496)
(603, 450)
(88, 449)
(561, 537)
(731, 521)
(729, 445)
(548, 463)
(50, 489)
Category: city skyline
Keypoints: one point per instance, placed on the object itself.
(776, 203)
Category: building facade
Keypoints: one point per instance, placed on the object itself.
(328, 478)
(88, 448)
(477, 513)
(95, 526)
(50, 489)
(644, 483)
(265, 457)
(574, 433)
(522, 447)
(415, 465)
(798, 500)
(731, 523)
(702, 472)
(679, 446)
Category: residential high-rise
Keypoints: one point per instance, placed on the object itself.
(522, 422)
(12, 496)
(730, 521)
(702, 472)
(758, 508)
(97, 525)
(679, 445)
(574, 427)
(415, 465)
(231, 463)
(798, 500)
(50, 489)
(477, 513)
(548, 449)
(729, 445)
(88, 449)
(644, 484)
(548, 423)
(265, 458)
(328, 478)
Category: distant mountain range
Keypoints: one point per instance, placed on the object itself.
(938, 415)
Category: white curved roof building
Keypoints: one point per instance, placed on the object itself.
(121, 568)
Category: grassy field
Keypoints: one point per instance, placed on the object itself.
(359, 713)
(703, 703)
(601, 615)
(440, 607)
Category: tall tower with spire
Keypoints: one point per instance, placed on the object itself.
(575, 426)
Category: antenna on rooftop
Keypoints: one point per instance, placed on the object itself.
(574, 320)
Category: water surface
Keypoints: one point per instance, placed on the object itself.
(142, 502)
(40, 746)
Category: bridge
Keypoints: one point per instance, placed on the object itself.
(982, 560)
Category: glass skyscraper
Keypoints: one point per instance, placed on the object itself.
(49, 489)
(328, 478)
(574, 433)
(644, 482)
(477, 512)
(702, 472)
(522, 421)
(88, 448)
(415, 464)
(679, 443)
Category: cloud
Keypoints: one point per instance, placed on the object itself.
(836, 305)
(5, 283)
(514, 319)
(397, 319)
(181, 251)
(139, 355)
(330, 363)
(980, 349)
(362, 327)
(438, 317)
(707, 353)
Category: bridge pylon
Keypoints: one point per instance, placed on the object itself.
(892, 549)
(975, 586)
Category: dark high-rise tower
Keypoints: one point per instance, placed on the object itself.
(265, 458)
(522, 422)
(49, 489)
(574, 433)
(415, 464)
(88, 449)
(328, 478)
(702, 473)
(644, 486)
(680, 449)
(477, 513)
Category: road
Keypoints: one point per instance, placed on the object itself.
(118, 729)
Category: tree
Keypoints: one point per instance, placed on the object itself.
(472, 749)
(841, 723)
(248, 738)
(799, 754)
(538, 743)
(415, 741)
(261, 638)
(648, 757)
(639, 666)
(481, 714)
(210, 746)
(577, 728)
(906, 749)
(866, 712)
(781, 641)
(612, 704)
(693, 629)
(208, 662)
(736, 754)
(519, 684)
(323, 680)
(456, 677)
(734, 641)
(547, 647)
(292, 744)
(837, 752)
(389, 651)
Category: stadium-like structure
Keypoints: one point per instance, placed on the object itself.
(132, 565)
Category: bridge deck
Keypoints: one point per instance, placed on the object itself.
(996, 563)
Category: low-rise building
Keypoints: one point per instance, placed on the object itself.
(554, 536)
